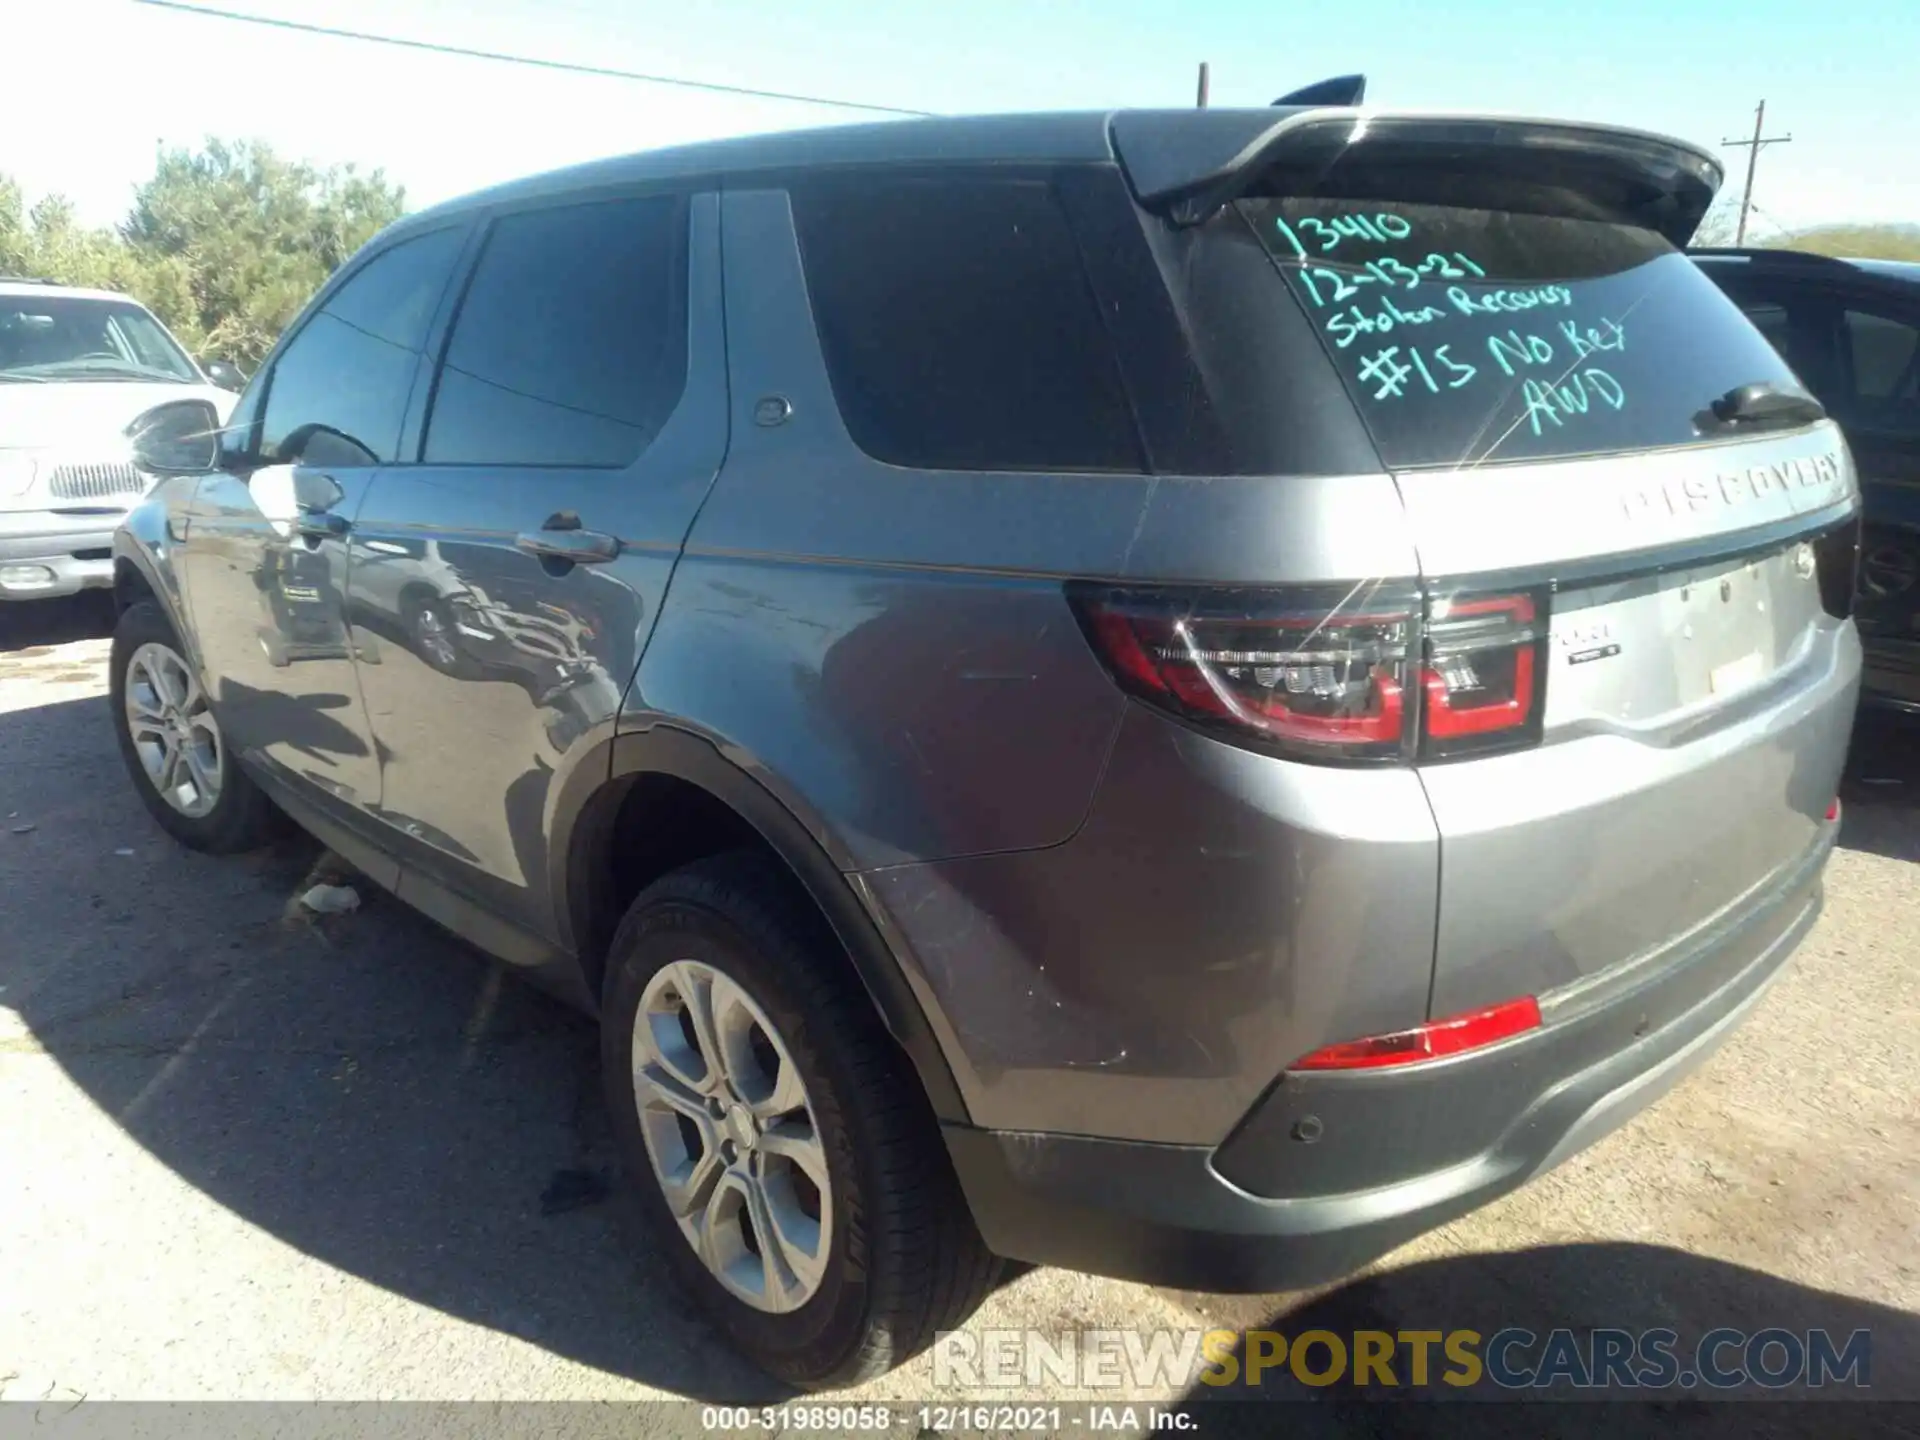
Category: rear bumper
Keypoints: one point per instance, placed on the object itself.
(1396, 1152)
(43, 555)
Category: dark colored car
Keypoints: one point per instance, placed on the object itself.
(1851, 331)
(1184, 694)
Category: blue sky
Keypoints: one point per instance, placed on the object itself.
(109, 80)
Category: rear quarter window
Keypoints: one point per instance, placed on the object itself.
(1466, 336)
(958, 325)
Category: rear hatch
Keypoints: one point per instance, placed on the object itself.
(1636, 533)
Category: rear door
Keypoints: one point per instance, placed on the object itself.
(1639, 680)
(510, 569)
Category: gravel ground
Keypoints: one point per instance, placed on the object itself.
(250, 1155)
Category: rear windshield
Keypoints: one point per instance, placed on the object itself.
(1469, 335)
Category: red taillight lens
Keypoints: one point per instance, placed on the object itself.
(1320, 671)
(1833, 810)
(1484, 673)
(1331, 672)
(1430, 1041)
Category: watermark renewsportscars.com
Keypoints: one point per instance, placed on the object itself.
(1511, 1359)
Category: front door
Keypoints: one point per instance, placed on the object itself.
(503, 586)
(266, 553)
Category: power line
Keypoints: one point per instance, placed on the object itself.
(604, 71)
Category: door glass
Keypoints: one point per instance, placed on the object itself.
(339, 390)
(958, 324)
(1886, 371)
(571, 345)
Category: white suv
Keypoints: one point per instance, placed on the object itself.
(79, 369)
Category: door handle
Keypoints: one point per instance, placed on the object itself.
(581, 547)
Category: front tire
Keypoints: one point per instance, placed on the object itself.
(784, 1155)
(172, 744)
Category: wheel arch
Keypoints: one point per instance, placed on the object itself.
(143, 570)
(587, 824)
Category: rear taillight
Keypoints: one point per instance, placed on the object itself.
(1836, 556)
(1311, 671)
(1357, 673)
(1484, 672)
(1431, 1041)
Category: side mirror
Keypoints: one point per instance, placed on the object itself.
(225, 374)
(314, 493)
(181, 437)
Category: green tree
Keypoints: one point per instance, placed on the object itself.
(256, 234)
(224, 243)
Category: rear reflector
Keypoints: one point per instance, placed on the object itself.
(1431, 1041)
(1833, 810)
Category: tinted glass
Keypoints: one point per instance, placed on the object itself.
(571, 345)
(959, 329)
(1472, 335)
(1771, 321)
(339, 390)
(1886, 370)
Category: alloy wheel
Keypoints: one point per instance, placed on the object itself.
(436, 642)
(730, 1130)
(173, 730)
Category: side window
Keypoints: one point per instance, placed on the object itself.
(338, 393)
(571, 345)
(959, 328)
(1800, 325)
(1885, 358)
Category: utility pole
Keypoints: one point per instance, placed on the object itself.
(1753, 158)
(1201, 99)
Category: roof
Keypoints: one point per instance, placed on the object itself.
(39, 290)
(1165, 152)
(1036, 139)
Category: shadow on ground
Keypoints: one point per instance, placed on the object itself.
(365, 1088)
(28, 623)
(1882, 787)
(1578, 1288)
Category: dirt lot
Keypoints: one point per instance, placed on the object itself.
(251, 1156)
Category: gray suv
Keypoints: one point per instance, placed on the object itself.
(1182, 694)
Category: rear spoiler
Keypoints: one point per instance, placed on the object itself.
(1187, 164)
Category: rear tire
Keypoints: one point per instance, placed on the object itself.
(222, 811)
(896, 1256)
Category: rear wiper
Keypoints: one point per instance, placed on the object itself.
(1760, 407)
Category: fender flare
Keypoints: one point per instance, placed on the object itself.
(589, 804)
(134, 549)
